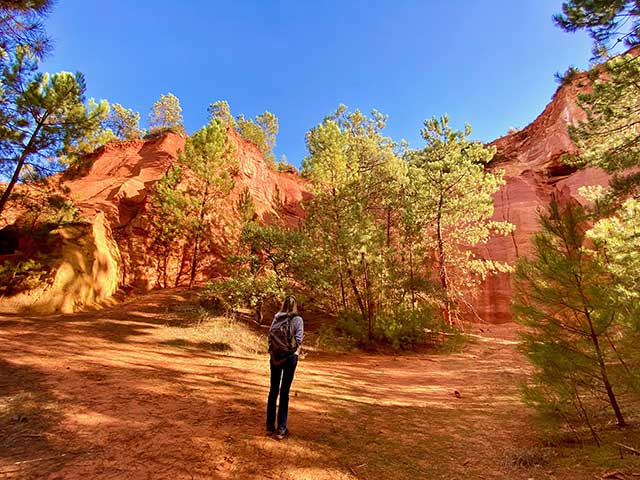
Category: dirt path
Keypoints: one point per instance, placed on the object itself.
(106, 395)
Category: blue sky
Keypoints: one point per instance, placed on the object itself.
(489, 63)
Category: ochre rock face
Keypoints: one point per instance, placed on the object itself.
(112, 197)
(534, 172)
(86, 272)
(122, 176)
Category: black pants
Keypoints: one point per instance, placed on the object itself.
(283, 372)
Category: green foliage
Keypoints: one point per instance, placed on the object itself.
(75, 154)
(41, 115)
(607, 21)
(568, 76)
(618, 241)
(403, 329)
(577, 337)
(609, 137)
(221, 110)
(20, 275)
(451, 205)
(46, 207)
(283, 166)
(262, 273)
(353, 168)
(261, 132)
(376, 220)
(245, 290)
(124, 123)
(407, 329)
(21, 25)
(184, 201)
(167, 217)
(165, 113)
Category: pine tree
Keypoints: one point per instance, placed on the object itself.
(187, 196)
(221, 110)
(74, 155)
(609, 22)
(566, 298)
(609, 137)
(618, 238)
(351, 166)
(168, 219)
(166, 113)
(261, 132)
(21, 26)
(455, 190)
(41, 115)
(124, 123)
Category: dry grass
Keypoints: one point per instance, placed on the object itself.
(19, 408)
(192, 327)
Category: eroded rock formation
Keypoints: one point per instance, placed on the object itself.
(532, 161)
(112, 197)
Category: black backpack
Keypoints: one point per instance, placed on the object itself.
(282, 343)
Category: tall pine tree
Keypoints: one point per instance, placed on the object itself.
(455, 190)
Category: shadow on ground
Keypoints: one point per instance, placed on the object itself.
(116, 398)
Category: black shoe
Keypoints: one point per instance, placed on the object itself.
(281, 433)
(270, 431)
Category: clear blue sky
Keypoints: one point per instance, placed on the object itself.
(489, 63)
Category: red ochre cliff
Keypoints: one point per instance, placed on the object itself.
(534, 172)
(112, 197)
(123, 174)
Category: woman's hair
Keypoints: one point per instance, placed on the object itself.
(289, 305)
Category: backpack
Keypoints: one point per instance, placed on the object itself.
(282, 343)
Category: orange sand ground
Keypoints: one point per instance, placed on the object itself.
(112, 397)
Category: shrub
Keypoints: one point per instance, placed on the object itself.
(568, 76)
(244, 290)
(401, 330)
(18, 275)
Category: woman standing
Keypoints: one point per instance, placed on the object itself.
(285, 338)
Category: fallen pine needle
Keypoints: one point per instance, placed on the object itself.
(627, 447)
(41, 459)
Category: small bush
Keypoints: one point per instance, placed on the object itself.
(18, 275)
(400, 330)
(527, 458)
(160, 131)
(405, 329)
(568, 76)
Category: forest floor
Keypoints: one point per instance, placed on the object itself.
(138, 391)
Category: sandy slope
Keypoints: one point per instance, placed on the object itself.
(109, 395)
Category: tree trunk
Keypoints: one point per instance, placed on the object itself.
(201, 214)
(194, 261)
(603, 373)
(165, 262)
(338, 226)
(16, 174)
(369, 300)
(412, 288)
(613, 401)
(342, 292)
(183, 257)
(357, 294)
(444, 281)
(259, 314)
(388, 227)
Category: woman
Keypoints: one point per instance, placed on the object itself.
(285, 337)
